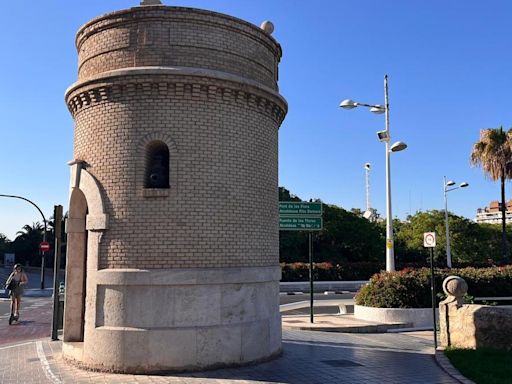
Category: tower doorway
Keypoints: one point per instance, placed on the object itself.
(76, 269)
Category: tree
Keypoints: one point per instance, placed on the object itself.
(493, 153)
(471, 242)
(5, 244)
(346, 236)
(26, 244)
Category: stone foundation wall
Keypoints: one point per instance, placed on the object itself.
(469, 325)
(141, 321)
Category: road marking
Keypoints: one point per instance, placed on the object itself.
(16, 345)
(46, 366)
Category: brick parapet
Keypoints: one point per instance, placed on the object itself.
(177, 36)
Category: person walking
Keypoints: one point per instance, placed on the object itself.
(16, 284)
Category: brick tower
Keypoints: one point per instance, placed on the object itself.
(173, 219)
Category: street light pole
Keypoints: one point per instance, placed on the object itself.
(398, 146)
(390, 251)
(44, 233)
(447, 184)
(448, 250)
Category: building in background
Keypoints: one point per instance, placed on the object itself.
(492, 213)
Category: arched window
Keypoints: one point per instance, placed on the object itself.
(156, 173)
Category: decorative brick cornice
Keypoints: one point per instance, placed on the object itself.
(186, 83)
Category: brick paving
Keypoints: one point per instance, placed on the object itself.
(35, 321)
(308, 358)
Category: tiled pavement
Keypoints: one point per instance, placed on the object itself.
(309, 357)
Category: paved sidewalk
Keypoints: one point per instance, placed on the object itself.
(308, 358)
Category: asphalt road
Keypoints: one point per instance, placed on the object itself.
(286, 299)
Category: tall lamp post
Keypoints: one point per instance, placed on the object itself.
(446, 188)
(44, 233)
(385, 137)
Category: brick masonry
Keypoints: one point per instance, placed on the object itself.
(177, 36)
(220, 125)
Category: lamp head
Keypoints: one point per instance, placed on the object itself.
(398, 146)
(367, 166)
(449, 183)
(348, 104)
(383, 135)
(464, 185)
(378, 109)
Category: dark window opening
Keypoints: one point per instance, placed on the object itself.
(157, 165)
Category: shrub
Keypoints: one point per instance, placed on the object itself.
(411, 288)
(328, 272)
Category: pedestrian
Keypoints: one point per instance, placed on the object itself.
(16, 284)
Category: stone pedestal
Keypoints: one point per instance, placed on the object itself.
(472, 326)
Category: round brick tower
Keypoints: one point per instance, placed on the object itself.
(172, 258)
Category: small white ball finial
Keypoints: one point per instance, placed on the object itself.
(267, 26)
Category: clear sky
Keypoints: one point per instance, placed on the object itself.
(449, 67)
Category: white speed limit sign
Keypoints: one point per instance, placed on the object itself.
(429, 239)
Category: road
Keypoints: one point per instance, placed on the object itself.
(35, 314)
(34, 277)
(35, 320)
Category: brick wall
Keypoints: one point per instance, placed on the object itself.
(175, 36)
(221, 207)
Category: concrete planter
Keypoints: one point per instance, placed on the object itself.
(418, 317)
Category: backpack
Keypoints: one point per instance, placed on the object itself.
(12, 285)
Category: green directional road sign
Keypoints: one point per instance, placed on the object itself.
(300, 223)
(299, 208)
(300, 216)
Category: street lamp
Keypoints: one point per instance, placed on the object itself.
(446, 185)
(44, 233)
(385, 137)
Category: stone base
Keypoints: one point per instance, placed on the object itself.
(141, 321)
(417, 317)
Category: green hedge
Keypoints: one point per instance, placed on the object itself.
(344, 271)
(410, 288)
(329, 272)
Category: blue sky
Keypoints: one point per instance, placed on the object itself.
(449, 76)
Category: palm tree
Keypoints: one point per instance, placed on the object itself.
(493, 153)
(32, 232)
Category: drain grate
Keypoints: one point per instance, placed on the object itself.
(341, 363)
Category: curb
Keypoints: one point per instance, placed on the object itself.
(382, 328)
(36, 292)
(447, 366)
